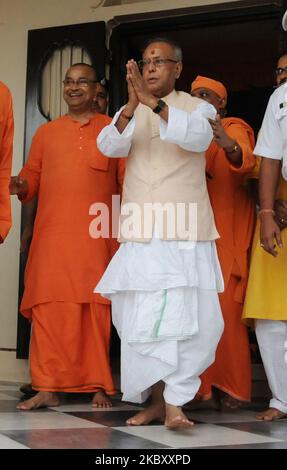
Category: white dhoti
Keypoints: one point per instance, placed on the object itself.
(272, 340)
(167, 313)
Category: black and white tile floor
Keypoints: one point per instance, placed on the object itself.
(75, 425)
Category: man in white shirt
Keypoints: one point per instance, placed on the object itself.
(163, 283)
(272, 147)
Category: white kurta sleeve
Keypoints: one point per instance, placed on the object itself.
(113, 144)
(269, 142)
(191, 131)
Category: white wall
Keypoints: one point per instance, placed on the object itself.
(16, 18)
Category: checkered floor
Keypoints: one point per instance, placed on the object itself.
(75, 425)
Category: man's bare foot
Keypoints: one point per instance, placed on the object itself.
(41, 400)
(175, 418)
(229, 403)
(154, 412)
(272, 414)
(101, 400)
(202, 404)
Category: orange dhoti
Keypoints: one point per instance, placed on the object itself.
(231, 371)
(70, 347)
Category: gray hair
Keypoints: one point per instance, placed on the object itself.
(177, 51)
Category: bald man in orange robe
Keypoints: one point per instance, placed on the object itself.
(229, 158)
(69, 350)
(6, 152)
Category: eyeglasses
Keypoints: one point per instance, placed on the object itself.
(280, 70)
(156, 62)
(102, 96)
(81, 82)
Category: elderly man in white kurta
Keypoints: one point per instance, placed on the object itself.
(164, 279)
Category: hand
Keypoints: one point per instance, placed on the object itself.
(219, 133)
(133, 99)
(18, 186)
(269, 232)
(281, 213)
(143, 94)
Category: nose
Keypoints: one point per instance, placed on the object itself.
(282, 77)
(151, 66)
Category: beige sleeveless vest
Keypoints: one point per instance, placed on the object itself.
(164, 183)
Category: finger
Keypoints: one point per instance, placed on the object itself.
(133, 66)
(267, 244)
(136, 71)
(128, 66)
(16, 184)
(270, 248)
(278, 238)
(19, 181)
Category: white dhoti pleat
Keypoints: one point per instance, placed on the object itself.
(167, 313)
(272, 340)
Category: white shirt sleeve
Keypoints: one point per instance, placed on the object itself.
(269, 142)
(113, 144)
(191, 131)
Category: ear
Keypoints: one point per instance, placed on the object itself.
(178, 70)
(222, 103)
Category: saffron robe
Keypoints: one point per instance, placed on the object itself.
(234, 212)
(69, 174)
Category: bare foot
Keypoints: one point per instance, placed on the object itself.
(154, 412)
(175, 418)
(41, 400)
(100, 400)
(202, 404)
(229, 403)
(272, 414)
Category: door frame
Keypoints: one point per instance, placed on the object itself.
(41, 45)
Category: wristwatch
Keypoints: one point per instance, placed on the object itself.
(159, 107)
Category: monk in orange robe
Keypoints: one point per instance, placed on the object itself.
(69, 350)
(228, 160)
(6, 151)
